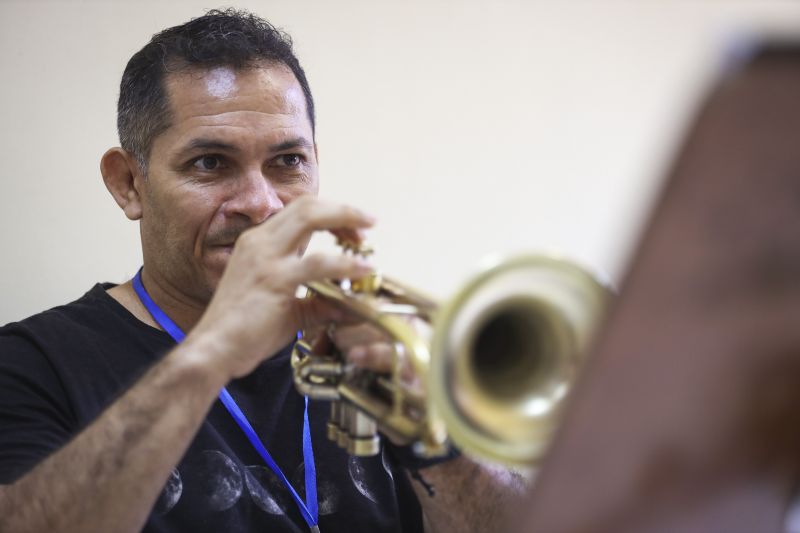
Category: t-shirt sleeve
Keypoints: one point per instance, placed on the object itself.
(35, 418)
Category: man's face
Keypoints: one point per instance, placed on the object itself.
(239, 148)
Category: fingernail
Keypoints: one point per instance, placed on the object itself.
(363, 264)
(368, 217)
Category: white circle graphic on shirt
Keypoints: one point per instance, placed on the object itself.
(328, 494)
(267, 490)
(357, 473)
(214, 479)
(385, 463)
(170, 494)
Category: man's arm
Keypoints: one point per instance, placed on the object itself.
(108, 477)
(464, 495)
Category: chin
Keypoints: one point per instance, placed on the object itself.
(211, 283)
(215, 266)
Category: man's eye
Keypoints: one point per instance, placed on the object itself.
(208, 162)
(290, 160)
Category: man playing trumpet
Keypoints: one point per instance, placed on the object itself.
(109, 419)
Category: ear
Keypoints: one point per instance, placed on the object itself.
(121, 173)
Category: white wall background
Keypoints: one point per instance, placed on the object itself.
(468, 127)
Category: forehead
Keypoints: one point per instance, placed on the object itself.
(270, 91)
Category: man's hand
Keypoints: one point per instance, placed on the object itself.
(254, 310)
(364, 345)
(466, 496)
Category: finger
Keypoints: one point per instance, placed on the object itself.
(312, 333)
(320, 266)
(293, 226)
(347, 336)
(349, 317)
(357, 235)
(322, 344)
(378, 357)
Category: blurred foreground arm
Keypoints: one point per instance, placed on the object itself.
(687, 417)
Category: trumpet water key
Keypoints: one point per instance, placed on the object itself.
(504, 352)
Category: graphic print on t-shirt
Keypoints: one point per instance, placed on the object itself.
(213, 481)
(170, 494)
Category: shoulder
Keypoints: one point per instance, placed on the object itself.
(80, 354)
(37, 412)
(30, 348)
(73, 313)
(95, 315)
(21, 341)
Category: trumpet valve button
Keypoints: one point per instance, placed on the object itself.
(369, 284)
(364, 447)
(333, 432)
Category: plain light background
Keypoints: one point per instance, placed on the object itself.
(468, 127)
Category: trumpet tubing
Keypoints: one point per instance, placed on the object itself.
(504, 353)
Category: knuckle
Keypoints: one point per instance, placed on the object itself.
(379, 351)
(377, 336)
(351, 213)
(247, 238)
(306, 200)
(316, 262)
(305, 207)
(299, 210)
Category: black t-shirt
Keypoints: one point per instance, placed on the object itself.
(61, 368)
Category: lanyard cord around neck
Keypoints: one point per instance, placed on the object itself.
(309, 508)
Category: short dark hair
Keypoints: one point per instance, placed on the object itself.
(230, 37)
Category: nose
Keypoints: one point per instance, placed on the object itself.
(255, 198)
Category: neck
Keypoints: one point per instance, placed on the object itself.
(183, 311)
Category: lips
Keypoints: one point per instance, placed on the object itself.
(219, 247)
(224, 238)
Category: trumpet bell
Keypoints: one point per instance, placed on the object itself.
(506, 350)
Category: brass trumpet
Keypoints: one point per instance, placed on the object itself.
(503, 355)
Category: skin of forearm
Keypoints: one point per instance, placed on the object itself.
(469, 496)
(108, 477)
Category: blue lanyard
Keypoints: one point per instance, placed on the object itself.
(309, 509)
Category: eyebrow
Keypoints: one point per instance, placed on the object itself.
(208, 144)
(214, 144)
(297, 142)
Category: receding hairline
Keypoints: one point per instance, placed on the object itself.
(201, 71)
